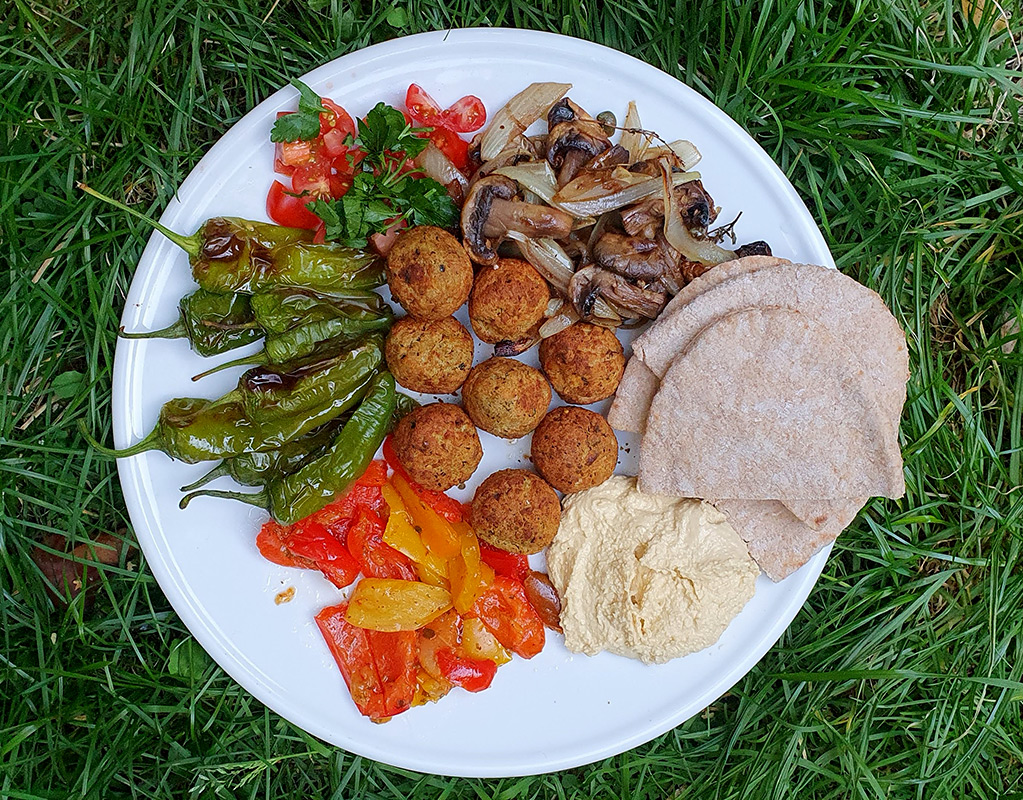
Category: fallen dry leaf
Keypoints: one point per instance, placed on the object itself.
(975, 10)
(65, 575)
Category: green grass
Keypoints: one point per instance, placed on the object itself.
(898, 123)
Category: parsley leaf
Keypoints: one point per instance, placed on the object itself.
(385, 130)
(380, 193)
(303, 124)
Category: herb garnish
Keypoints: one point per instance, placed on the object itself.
(380, 193)
(303, 124)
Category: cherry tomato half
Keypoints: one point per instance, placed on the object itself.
(284, 208)
(465, 116)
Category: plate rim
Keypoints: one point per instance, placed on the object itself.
(132, 477)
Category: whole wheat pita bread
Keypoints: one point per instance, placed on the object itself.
(767, 405)
(849, 310)
(638, 385)
(635, 393)
(777, 540)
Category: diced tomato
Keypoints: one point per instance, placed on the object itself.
(422, 109)
(506, 613)
(465, 116)
(320, 236)
(511, 565)
(285, 209)
(312, 179)
(375, 557)
(335, 118)
(447, 507)
(313, 541)
(451, 145)
(334, 144)
(270, 541)
(472, 674)
(378, 668)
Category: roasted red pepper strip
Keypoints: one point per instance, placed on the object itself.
(313, 541)
(270, 541)
(350, 647)
(506, 613)
(447, 507)
(472, 674)
(512, 565)
(375, 557)
(379, 668)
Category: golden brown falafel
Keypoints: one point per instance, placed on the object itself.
(506, 397)
(428, 272)
(516, 510)
(427, 355)
(584, 362)
(438, 446)
(508, 301)
(574, 449)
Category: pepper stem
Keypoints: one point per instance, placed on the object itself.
(255, 358)
(217, 472)
(175, 331)
(190, 244)
(150, 442)
(257, 499)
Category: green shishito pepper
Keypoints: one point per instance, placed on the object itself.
(229, 254)
(269, 407)
(294, 497)
(259, 468)
(212, 323)
(298, 321)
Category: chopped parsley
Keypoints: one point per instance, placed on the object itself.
(303, 124)
(379, 191)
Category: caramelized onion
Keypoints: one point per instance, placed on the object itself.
(543, 597)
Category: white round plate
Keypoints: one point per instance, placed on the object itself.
(558, 710)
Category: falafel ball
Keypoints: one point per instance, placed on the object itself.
(508, 301)
(428, 272)
(584, 362)
(574, 449)
(438, 446)
(516, 510)
(429, 355)
(506, 397)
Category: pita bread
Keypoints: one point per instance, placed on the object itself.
(849, 310)
(635, 392)
(778, 541)
(639, 385)
(767, 405)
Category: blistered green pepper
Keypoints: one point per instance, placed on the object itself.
(212, 323)
(229, 254)
(259, 468)
(298, 321)
(296, 496)
(268, 408)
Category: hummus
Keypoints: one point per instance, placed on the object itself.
(646, 576)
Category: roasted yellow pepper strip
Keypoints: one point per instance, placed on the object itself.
(388, 604)
(401, 534)
(438, 534)
(469, 575)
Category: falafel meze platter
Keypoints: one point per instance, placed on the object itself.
(536, 383)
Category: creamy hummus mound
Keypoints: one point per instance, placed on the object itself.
(646, 576)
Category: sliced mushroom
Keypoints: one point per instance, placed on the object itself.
(592, 283)
(637, 257)
(491, 212)
(757, 248)
(697, 206)
(571, 144)
(615, 156)
(565, 111)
